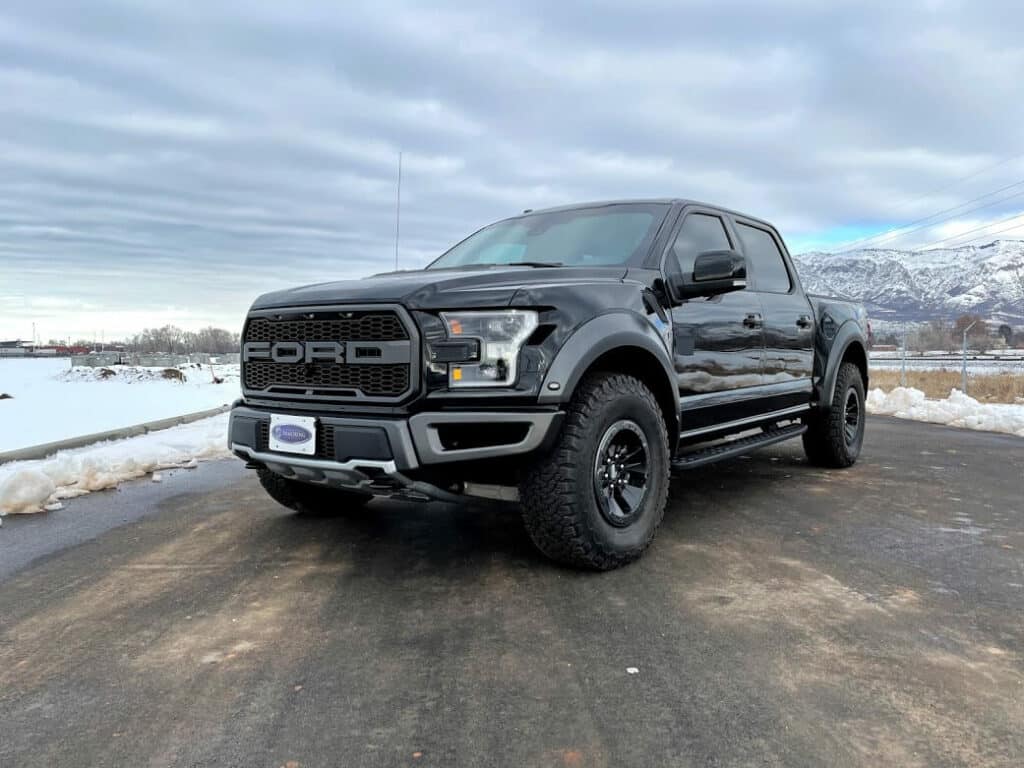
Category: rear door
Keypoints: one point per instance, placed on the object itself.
(788, 319)
(718, 342)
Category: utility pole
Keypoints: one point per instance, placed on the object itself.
(398, 208)
(963, 369)
(903, 356)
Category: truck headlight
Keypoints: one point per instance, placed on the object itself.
(501, 334)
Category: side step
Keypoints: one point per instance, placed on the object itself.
(737, 447)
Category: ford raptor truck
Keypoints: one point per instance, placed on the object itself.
(572, 358)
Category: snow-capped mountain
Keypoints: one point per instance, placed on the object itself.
(919, 285)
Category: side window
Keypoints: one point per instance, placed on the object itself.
(768, 268)
(700, 232)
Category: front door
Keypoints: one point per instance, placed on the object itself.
(718, 342)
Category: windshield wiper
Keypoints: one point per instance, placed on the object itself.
(532, 264)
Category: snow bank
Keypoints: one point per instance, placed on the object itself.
(51, 401)
(29, 486)
(957, 410)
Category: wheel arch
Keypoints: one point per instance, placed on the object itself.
(848, 347)
(619, 342)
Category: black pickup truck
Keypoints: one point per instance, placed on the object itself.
(570, 358)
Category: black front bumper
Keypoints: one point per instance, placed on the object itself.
(373, 454)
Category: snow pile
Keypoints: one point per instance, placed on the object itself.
(29, 486)
(957, 410)
(52, 401)
(192, 372)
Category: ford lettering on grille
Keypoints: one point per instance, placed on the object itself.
(353, 352)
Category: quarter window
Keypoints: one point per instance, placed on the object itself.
(768, 268)
(700, 232)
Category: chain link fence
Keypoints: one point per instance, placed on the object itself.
(989, 377)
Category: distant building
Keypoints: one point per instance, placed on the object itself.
(16, 348)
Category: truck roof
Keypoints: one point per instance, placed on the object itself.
(650, 200)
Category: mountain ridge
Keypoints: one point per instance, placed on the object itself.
(896, 284)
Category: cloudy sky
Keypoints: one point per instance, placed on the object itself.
(164, 162)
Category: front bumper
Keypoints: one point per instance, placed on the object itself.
(373, 455)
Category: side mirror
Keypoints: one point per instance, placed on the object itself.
(714, 273)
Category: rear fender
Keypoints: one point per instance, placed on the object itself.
(832, 351)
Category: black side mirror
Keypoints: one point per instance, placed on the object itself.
(714, 273)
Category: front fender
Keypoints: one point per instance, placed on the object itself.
(603, 334)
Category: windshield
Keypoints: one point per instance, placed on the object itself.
(582, 237)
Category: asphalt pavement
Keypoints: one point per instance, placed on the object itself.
(785, 615)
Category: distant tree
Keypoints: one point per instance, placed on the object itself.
(978, 333)
(933, 337)
(173, 340)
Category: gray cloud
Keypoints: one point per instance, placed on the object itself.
(169, 160)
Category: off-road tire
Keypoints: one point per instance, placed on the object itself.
(826, 441)
(309, 500)
(559, 502)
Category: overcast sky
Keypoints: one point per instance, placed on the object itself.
(165, 161)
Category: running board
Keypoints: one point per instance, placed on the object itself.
(737, 447)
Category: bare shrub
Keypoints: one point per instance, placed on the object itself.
(173, 374)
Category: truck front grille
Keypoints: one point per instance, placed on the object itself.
(362, 326)
(371, 380)
(359, 378)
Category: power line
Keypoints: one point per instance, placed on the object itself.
(930, 224)
(902, 230)
(976, 229)
(905, 203)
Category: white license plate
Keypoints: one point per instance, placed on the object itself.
(293, 434)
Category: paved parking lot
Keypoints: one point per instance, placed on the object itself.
(784, 616)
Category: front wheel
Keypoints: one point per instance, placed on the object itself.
(595, 500)
(834, 438)
(311, 500)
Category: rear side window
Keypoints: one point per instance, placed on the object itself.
(700, 232)
(768, 268)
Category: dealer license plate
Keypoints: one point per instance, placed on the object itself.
(293, 434)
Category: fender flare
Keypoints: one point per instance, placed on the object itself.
(849, 334)
(596, 337)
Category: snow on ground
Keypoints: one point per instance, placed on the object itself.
(52, 401)
(957, 410)
(30, 486)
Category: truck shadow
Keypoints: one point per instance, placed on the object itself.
(447, 539)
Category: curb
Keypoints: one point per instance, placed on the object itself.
(42, 451)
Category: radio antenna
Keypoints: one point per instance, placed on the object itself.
(398, 209)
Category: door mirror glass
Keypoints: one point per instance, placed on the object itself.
(714, 273)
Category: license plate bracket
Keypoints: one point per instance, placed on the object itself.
(292, 434)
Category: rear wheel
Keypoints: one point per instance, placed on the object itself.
(597, 498)
(834, 438)
(306, 499)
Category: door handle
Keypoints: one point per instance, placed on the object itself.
(753, 320)
(804, 321)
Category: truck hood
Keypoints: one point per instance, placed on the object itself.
(439, 288)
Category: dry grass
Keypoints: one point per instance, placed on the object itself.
(988, 388)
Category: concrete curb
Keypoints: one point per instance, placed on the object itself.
(42, 451)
